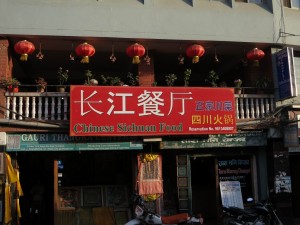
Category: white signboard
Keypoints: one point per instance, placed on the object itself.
(2, 138)
(231, 194)
(286, 78)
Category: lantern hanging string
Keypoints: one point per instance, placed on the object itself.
(112, 57)
(40, 55)
(71, 56)
(147, 58)
(180, 57)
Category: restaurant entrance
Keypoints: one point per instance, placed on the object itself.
(85, 180)
(203, 180)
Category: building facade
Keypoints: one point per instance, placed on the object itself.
(79, 175)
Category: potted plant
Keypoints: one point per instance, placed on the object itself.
(115, 81)
(41, 84)
(186, 77)
(90, 80)
(212, 78)
(62, 77)
(10, 84)
(132, 80)
(262, 84)
(170, 79)
(111, 81)
(238, 84)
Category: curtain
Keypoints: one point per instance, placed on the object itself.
(149, 179)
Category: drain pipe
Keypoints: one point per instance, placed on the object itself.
(35, 124)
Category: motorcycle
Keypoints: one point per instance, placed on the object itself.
(258, 214)
(144, 216)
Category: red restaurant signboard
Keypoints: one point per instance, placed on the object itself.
(144, 111)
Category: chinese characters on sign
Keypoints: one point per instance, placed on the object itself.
(119, 111)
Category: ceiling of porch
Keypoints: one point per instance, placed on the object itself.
(164, 54)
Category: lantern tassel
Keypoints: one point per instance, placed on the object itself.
(24, 57)
(256, 63)
(195, 59)
(85, 59)
(136, 60)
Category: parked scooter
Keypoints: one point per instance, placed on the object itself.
(257, 214)
(143, 216)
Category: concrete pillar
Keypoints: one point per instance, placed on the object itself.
(5, 70)
(282, 192)
(5, 59)
(146, 72)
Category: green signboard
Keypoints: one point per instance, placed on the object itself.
(242, 139)
(63, 142)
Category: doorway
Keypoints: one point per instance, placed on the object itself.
(36, 176)
(295, 168)
(203, 182)
(83, 170)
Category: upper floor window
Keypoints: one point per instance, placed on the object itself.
(295, 4)
(251, 1)
(255, 1)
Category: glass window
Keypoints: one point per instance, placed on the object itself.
(255, 1)
(286, 3)
(295, 4)
(250, 1)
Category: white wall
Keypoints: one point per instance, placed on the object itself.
(297, 72)
(154, 19)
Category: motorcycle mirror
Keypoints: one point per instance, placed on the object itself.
(250, 199)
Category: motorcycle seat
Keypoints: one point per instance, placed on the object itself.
(238, 211)
(174, 219)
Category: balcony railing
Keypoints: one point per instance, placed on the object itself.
(37, 105)
(55, 106)
(254, 106)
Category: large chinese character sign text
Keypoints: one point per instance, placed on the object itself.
(141, 111)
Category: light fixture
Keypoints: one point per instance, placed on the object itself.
(244, 59)
(195, 51)
(112, 57)
(152, 139)
(135, 51)
(24, 48)
(180, 57)
(147, 59)
(216, 57)
(255, 55)
(85, 50)
(40, 55)
(71, 56)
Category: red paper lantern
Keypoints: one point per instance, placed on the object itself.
(85, 50)
(195, 51)
(24, 48)
(135, 51)
(255, 55)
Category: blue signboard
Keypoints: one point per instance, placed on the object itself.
(285, 73)
(63, 142)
